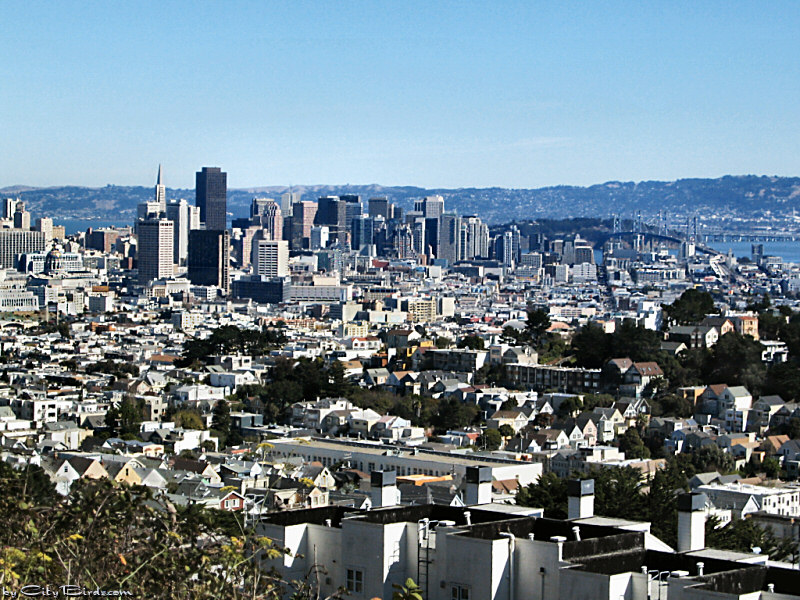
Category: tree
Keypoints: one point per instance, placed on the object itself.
(592, 346)
(506, 430)
(770, 325)
(454, 414)
(537, 323)
(443, 342)
(632, 445)
(783, 379)
(188, 419)
(125, 417)
(743, 535)
(736, 360)
(771, 466)
(569, 406)
(221, 421)
(115, 537)
(662, 499)
(793, 430)
(712, 458)
(491, 439)
(549, 493)
(636, 342)
(692, 307)
(473, 342)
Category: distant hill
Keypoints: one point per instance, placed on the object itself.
(746, 196)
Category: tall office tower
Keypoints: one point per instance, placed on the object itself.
(431, 207)
(475, 238)
(432, 229)
(418, 233)
(516, 244)
(14, 242)
(156, 249)
(210, 258)
(211, 190)
(449, 238)
(320, 236)
(362, 227)
(537, 243)
(45, 225)
(288, 200)
(243, 245)
(332, 211)
(161, 191)
(266, 213)
(404, 241)
(380, 236)
(22, 218)
(9, 206)
(186, 218)
(469, 228)
(504, 248)
(379, 207)
(303, 215)
(352, 208)
(271, 258)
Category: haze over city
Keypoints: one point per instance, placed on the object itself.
(515, 94)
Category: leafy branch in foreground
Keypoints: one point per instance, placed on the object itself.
(115, 537)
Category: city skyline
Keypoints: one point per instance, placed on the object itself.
(521, 95)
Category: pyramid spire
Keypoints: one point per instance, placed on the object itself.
(161, 190)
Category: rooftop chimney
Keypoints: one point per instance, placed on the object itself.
(580, 495)
(478, 486)
(691, 522)
(384, 489)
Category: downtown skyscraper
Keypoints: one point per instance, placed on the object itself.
(211, 193)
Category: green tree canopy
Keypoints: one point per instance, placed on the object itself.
(736, 360)
(537, 323)
(692, 307)
(473, 342)
(491, 439)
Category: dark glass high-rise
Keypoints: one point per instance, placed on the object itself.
(211, 193)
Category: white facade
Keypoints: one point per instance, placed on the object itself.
(155, 250)
(475, 554)
(271, 258)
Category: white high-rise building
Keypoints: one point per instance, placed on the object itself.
(156, 249)
(474, 238)
(186, 218)
(45, 225)
(271, 258)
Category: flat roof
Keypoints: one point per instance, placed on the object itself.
(404, 453)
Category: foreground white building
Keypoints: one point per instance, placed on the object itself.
(491, 552)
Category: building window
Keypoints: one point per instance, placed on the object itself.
(355, 581)
(459, 592)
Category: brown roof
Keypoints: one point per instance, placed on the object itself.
(648, 368)
(623, 364)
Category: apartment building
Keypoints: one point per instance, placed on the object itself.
(488, 553)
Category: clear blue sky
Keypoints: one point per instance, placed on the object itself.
(514, 94)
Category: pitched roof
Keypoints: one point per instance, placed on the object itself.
(648, 369)
(623, 364)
